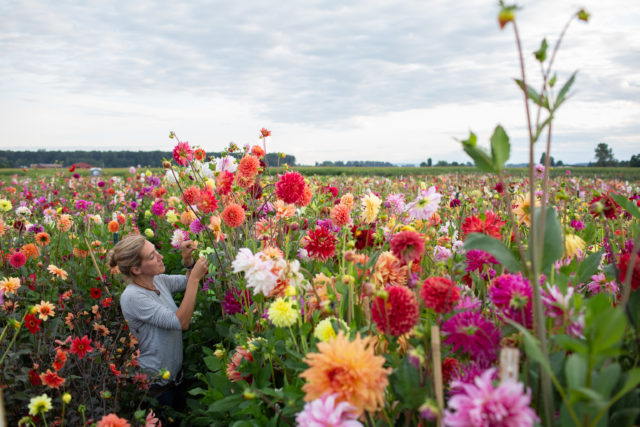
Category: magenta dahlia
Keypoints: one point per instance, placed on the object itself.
(511, 294)
(472, 333)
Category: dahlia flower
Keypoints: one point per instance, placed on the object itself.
(623, 266)
(225, 164)
(512, 295)
(482, 404)
(439, 294)
(397, 313)
(350, 369)
(396, 203)
(471, 332)
(233, 215)
(407, 246)
(39, 404)
(425, 205)
(290, 187)
(489, 226)
(182, 153)
(370, 207)
(283, 313)
(324, 412)
(320, 243)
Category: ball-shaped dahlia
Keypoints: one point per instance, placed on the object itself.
(439, 294)
(396, 314)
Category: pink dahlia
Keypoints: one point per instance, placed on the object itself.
(320, 243)
(398, 313)
(439, 294)
(474, 334)
(182, 153)
(483, 404)
(290, 188)
(511, 294)
(18, 259)
(476, 259)
(326, 412)
(407, 246)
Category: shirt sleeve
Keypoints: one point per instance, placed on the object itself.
(146, 309)
(175, 283)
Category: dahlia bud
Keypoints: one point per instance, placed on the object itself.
(219, 353)
(166, 164)
(383, 294)
(583, 15)
(172, 135)
(429, 410)
(506, 15)
(249, 395)
(106, 394)
(165, 374)
(368, 289)
(66, 398)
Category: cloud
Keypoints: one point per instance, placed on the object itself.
(349, 78)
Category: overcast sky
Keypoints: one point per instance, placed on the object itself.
(359, 80)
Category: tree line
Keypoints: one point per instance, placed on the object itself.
(109, 159)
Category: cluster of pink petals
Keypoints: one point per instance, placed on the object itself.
(471, 332)
(512, 295)
(481, 404)
(324, 412)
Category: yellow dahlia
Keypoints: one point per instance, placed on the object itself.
(283, 313)
(350, 369)
(523, 209)
(39, 404)
(572, 245)
(324, 329)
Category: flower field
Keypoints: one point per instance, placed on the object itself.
(370, 299)
(458, 299)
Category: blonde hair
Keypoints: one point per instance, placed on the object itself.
(126, 254)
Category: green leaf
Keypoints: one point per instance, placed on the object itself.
(226, 403)
(624, 417)
(605, 324)
(575, 371)
(571, 344)
(533, 95)
(629, 205)
(500, 148)
(553, 247)
(496, 248)
(405, 383)
(633, 380)
(479, 156)
(562, 95)
(541, 54)
(587, 268)
(532, 348)
(213, 363)
(606, 379)
(553, 80)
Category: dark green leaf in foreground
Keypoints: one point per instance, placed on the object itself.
(496, 248)
(500, 148)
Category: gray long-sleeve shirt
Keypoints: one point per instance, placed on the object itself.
(152, 319)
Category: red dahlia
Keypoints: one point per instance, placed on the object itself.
(81, 346)
(207, 202)
(17, 260)
(32, 323)
(182, 153)
(440, 294)
(609, 206)
(223, 182)
(320, 243)
(623, 265)
(398, 313)
(34, 378)
(51, 379)
(191, 195)
(490, 226)
(96, 293)
(290, 188)
(407, 246)
(450, 369)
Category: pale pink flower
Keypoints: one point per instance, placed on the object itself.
(425, 205)
(324, 412)
(481, 404)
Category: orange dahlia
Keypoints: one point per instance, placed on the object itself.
(43, 238)
(233, 215)
(389, 269)
(113, 226)
(30, 250)
(51, 379)
(349, 369)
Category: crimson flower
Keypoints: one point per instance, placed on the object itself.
(264, 132)
(81, 346)
(34, 378)
(290, 187)
(320, 243)
(17, 260)
(623, 265)
(32, 323)
(72, 168)
(95, 293)
(439, 294)
(398, 313)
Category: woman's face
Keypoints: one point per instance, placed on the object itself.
(151, 264)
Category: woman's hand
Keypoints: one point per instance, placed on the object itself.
(187, 247)
(200, 268)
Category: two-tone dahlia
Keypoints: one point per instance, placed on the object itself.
(349, 369)
(407, 246)
(320, 243)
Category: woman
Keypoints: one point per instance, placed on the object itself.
(153, 317)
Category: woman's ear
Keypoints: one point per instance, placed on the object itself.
(134, 271)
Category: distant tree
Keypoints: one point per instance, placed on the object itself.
(559, 163)
(442, 163)
(429, 162)
(543, 158)
(604, 155)
(634, 162)
(423, 164)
